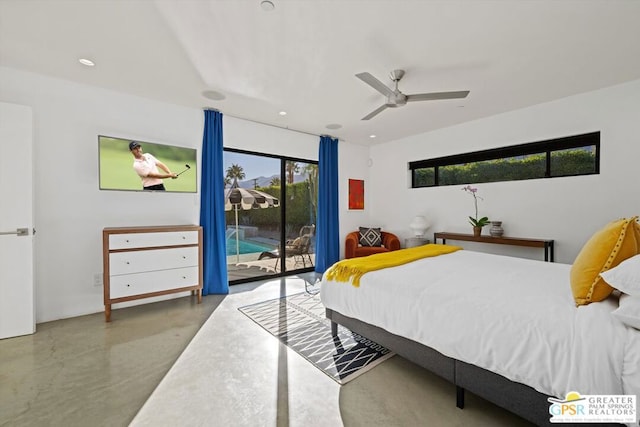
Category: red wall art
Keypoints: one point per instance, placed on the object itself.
(356, 194)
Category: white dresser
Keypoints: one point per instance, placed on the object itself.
(142, 262)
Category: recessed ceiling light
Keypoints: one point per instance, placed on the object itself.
(267, 5)
(283, 113)
(212, 94)
(87, 62)
(372, 136)
(334, 126)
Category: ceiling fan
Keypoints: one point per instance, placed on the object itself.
(395, 98)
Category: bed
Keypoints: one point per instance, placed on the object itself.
(504, 328)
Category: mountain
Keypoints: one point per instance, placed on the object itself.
(265, 181)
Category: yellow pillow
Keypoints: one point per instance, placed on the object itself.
(606, 249)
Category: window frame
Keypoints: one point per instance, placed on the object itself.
(546, 147)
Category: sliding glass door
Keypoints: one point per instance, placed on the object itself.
(300, 213)
(270, 205)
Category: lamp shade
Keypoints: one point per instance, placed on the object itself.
(419, 225)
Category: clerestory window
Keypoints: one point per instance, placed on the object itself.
(567, 156)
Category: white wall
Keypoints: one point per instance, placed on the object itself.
(353, 163)
(252, 136)
(71, 211)
(567, 210)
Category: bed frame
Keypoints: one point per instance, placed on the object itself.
(515, 397)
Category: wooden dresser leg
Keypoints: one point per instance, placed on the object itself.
(107, 313)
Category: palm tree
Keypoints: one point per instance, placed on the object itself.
(235, 172)
(275, 182)
(227, 181)
(311, 171)
(291, 168)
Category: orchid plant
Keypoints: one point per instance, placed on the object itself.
(475, 221)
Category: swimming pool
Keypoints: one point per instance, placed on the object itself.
(246, 247)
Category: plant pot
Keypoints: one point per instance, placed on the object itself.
(496, 229)
(477, 231)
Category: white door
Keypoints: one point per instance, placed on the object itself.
(17, 299)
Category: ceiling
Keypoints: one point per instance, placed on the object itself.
(302, 56)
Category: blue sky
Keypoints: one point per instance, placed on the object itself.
(253, 166)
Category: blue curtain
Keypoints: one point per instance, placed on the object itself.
(328, 231)
(212, 217)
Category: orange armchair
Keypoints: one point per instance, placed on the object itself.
(352, 248)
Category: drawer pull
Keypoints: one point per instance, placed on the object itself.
(128, 285)
(184, 257)
(184, 277)
(127, 262)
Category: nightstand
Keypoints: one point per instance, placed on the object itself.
(412, 242)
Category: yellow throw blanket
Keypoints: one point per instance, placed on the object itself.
(352, 269)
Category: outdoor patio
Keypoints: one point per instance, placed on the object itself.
(249, 266)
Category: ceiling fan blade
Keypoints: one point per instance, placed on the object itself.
(433, 96)
(375, 112)
(375, 83)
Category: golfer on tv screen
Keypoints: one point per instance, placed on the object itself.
(146, 166)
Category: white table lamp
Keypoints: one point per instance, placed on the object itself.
(419, 225)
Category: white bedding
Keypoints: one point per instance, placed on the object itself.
(512, 316)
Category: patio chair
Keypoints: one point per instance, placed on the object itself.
(298, 248)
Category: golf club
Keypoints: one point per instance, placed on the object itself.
(187, 168)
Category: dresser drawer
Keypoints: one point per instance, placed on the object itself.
(146, 240)
(151, 260)
(153, 281)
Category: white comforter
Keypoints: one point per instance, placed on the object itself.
(512, 316)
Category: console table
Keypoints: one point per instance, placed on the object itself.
(547, 245)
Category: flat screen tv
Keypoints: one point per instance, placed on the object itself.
(117, 171)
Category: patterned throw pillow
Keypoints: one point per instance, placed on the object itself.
(370, 236)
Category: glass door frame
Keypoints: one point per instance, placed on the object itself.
(283, 209)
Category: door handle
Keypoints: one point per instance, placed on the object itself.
(18, 232)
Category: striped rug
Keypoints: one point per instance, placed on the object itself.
(299, 322)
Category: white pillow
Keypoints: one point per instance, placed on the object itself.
(625, 277)
(628, 312)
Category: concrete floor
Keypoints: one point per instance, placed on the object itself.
(85, 372)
